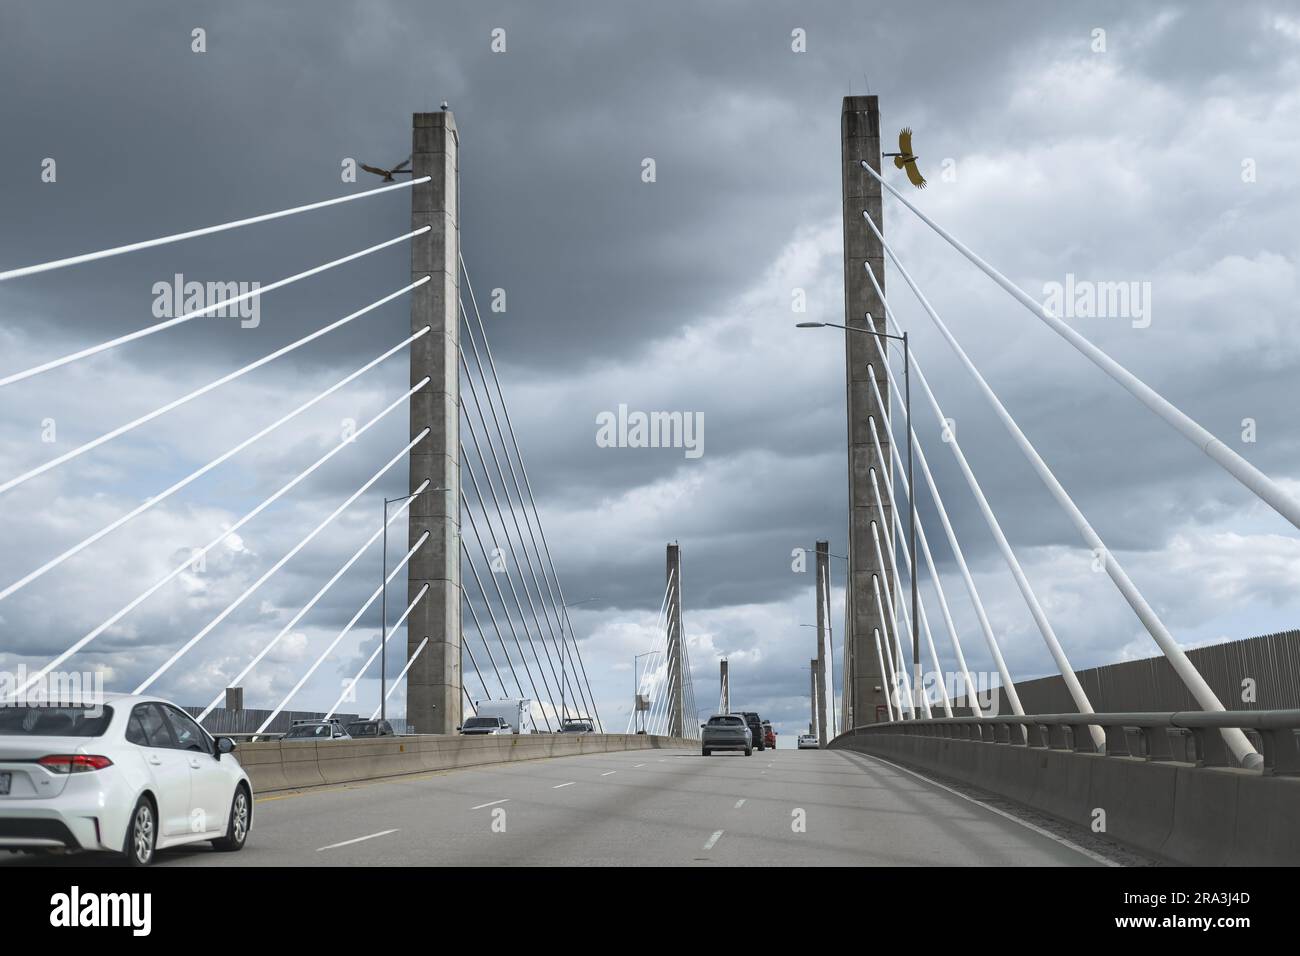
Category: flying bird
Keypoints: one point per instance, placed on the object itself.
(905, 159)
(389, 173)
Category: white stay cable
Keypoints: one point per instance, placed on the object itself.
(350, 689)
(1255, 480)
(269, 572)
(202, 390)
(237, 680)
(201, 552)
(832, 716)
(663, 606)
(899, 609)
(899, 683)
(398, 680)
(659, 703)
(663, 683)
(347, 628)
(880, 662)
(1200, 690)
(925, 546)
(205, 231)
(907, 562)
(968, 579)
(930, 558)
(200, 472)
(658, 680)
(186, 317)
(1036, 611)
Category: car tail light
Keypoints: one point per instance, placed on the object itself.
(74, 763)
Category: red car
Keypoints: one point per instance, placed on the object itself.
(769, 736)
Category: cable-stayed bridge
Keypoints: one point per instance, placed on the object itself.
(500, 630)
(482, 590)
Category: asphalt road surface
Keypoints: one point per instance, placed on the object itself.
(652, 808)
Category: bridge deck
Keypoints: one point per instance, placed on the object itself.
(648, 808)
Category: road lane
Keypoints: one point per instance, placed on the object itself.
(796, 808)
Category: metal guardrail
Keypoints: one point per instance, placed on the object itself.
(1273, 730)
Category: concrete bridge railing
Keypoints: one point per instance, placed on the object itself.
(290, 765)
(1201, 812)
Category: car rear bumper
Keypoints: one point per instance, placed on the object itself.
(728, 744)
(89, 814)
(45, 827)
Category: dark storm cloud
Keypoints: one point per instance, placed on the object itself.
(660, 296)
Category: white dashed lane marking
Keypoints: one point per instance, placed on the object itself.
(371, 836)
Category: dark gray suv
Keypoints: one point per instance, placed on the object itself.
(755, 724)
(726, 732)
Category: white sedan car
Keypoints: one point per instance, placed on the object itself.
(808, 742)
(129, 775)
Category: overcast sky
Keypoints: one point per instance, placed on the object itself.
(1161, 152)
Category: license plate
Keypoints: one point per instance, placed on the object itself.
(5, 780)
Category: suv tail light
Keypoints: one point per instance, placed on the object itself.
(74, 763)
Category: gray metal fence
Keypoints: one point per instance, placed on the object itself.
(222, 721)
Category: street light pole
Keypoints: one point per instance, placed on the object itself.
(911, 486)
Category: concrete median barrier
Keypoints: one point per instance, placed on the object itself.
(279, 765)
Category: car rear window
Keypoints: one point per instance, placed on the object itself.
(482, 722)
(726, 721)
(39, 721)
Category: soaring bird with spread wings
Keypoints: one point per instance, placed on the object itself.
(389, 173)
(905, 159)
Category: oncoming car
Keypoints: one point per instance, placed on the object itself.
(370, 728)
(316, 730)
(129, 775)
(477, 726)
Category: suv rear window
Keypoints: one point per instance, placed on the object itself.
(726, 721)
(308, 730)
(40, 721)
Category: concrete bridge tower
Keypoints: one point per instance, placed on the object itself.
(433, 683)
(865, 688)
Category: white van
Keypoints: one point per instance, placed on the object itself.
(513, 710)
